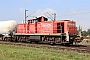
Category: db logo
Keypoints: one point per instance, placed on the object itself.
(46, 25)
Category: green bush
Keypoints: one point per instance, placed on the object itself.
(87, 41)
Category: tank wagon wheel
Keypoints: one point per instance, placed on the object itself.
(2, 38)
(7, 39)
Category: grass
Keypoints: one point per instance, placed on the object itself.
(10, 52)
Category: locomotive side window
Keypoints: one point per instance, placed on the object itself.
(45, 19)
(37, 20)
(40, 19)
(31, 21)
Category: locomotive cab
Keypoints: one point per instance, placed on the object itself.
(66, 26)
(31, 21)
(39, 19)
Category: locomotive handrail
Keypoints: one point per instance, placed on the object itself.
(40, 34)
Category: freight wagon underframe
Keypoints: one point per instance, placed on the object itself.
(57, 38)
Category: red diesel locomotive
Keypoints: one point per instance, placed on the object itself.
(41, 30)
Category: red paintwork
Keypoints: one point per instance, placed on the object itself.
(32, 28)
(21, 28)
(72, 27)
(47, 27)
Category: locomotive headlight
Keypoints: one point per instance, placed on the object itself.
(71, 37)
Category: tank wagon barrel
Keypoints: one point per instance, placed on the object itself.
(7, 27)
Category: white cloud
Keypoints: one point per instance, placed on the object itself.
(43, 12)
(39, 12)
(21, 9)
(50, 10)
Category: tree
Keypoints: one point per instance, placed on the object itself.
(88, 32)
(79, 31)
(84, 33)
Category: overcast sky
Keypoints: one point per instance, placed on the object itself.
(78, 10)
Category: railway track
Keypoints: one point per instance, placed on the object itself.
(78, 48)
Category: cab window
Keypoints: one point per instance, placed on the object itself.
(31, 21)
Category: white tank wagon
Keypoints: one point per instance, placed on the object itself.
(7, 27)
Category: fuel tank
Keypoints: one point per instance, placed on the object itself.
(7, 27)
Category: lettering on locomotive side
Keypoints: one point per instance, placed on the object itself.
(46, 25)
